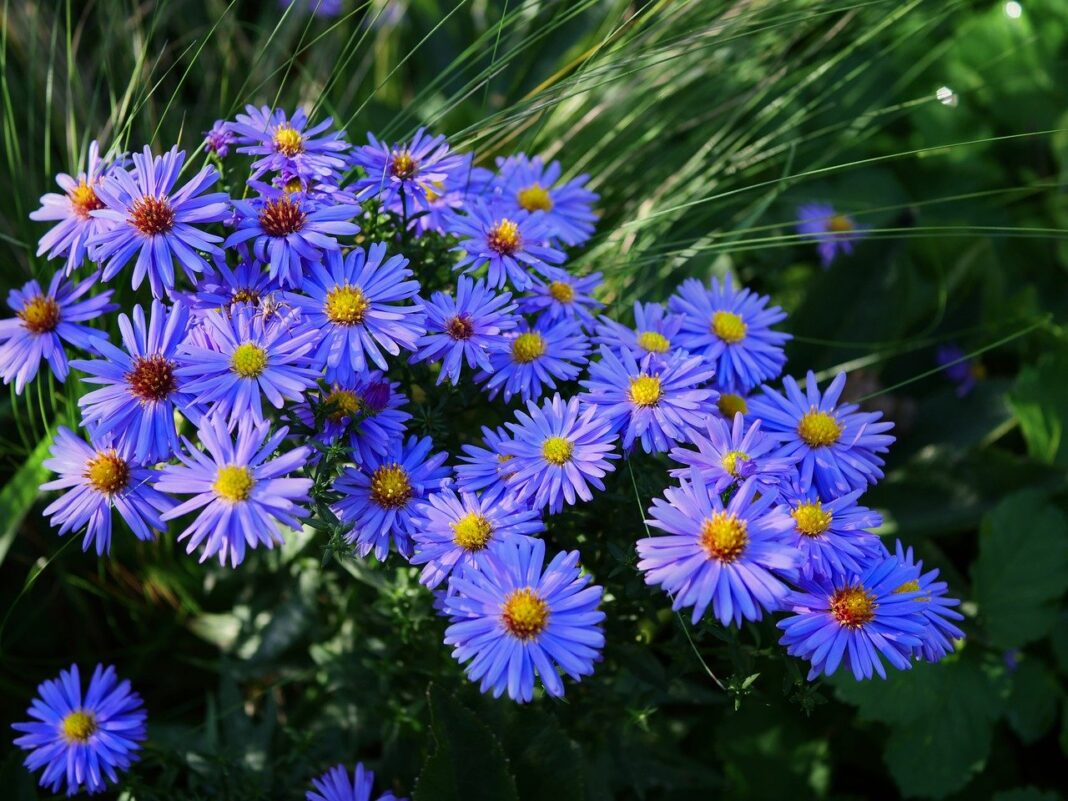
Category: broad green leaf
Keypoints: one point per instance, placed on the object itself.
(1022, 570)
(21, 491)
(533, 739)
(1040, 402)
(1032, 706)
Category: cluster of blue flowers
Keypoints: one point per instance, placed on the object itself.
(288, 311)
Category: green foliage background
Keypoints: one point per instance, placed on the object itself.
(703, 124)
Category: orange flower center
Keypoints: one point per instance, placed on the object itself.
(390, 487)
(724, 537)
(107, 472)
(152, 215)
(504, 237)
(152, 378)
(281, 217)
(853, 606)
(40, 315)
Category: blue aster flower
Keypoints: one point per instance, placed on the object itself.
(463, 328)
(512, 620)
(509, 247)
(656, 405)
(837, 444)
(732, 329)
(290, 231)
(335, 785)
(654, 336)
(729, 453)
(219, 139)
(289, 144)
(559, 451)
(450, 530)
(43, 321)
(403, 176)
(833, 231)
(444, 198)
(937, 638)
(73, 213)
(249, 358)
(98, 480)
(156, 222)
(731, 555)
(83, 741)
(139, 389)
(833, 537)
(959, 369)
(530, 359)
(240, 494)
(530, 185)
(856, 620)
(220, 291)
(485, 467)
(379, 497)
(355, 305)
(561, 294)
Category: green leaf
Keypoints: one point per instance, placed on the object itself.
(533, 739)
(21, 491)
(1022, 569)
(468, 763)
(1032, 707)
(1040, 402)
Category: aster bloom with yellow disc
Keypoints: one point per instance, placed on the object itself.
(728, 453)
(43, 321)
(250, 358)
(241, 495)
(336, 785)
(515, 618)
(82, 740)
(289, 144)
(378, 498)
(732, 328)
(856, 620)
(403, 176)
(356, 305)
(72, 212)
(652, 338)
(509, 247)
(247, 283)
(657, 405)
(530, 185)
(156, 222)
(833, 231)
(561, 294)
(486, 467)
(837, 444)
(731, 555)
(97, 480)
(560, 450)
(531, 359)
(450, 530)
(463, 328)
(140, 392)
(937, 607)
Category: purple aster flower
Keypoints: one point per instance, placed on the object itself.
(959, 369)
(402, 176)
(728, 555)
(220, 291)
(937, 609)
(732, 329)
(239, 492)
(289, 144)
(560, 450)
(485, 467)
(508, 246)
(529, 185)
(835, 232)
(378, 497)
(451, 531)
(512, 620)
(856, 620)
(729, 453)
(219, 139)
(354, 304)
(653, 337)
(43, 322)
(463, 328)
(82, 741)
(156, 222)
(657, 405)
(528, 360)
(99, 479)
(335, 785)
(73, 211)
(290, 231)
(562, 295)
(249, 357)
(837, 444)
(444, 198)
(833, 537)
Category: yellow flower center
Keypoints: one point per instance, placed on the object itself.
(724, 537)
(233, 483)
(534, 198)
(79, 726)
(288, 140)
(292, 185)
(346, 305)
(729, 327)
(107, 472)
(653, 342)
(342, 403)
(840, 224)
(504, 237)
(40, 315)
(730, 404)
(472, 532)
(730, 461)
(434, 190)
(818, 429)
(644, 390)
(249, 360)
(83, 200)
(403, 166)
(527, 347)
(810, 519)
(557, 450)
(525, 614)
(246, 296)
(562, 292)
(390, 487)
(853, 606)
